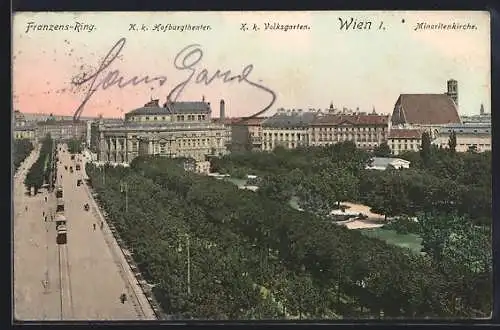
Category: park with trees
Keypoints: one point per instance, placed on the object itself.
(21, 149)
(214, 251)
(40, 171)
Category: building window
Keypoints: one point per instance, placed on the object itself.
(147, 118)
(155, 118)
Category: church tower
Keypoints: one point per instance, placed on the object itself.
(453, 90)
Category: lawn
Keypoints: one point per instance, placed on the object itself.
(410, 241)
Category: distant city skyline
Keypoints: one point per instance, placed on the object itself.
(305, 69)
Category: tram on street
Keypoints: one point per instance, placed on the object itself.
(62, 237)
(60, 206)
(61, 228)
(59, 192)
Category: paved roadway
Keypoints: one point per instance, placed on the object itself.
(36, 279)
(95, 278)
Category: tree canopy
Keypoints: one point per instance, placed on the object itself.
(253, 256)
(40, 171)
(22, 149)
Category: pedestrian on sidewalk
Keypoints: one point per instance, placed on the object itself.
(94, 226)
(102, 225)
(45, 199)
(26, 208)
(43, 213)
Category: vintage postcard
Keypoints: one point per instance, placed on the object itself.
(314, 165)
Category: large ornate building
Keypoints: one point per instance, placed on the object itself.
(287, 128)
(176, 129)
(470, 137)
(23, 129)
(367, 131)
(247, 134)
(405, 139)
(62, 129)
(293, 128)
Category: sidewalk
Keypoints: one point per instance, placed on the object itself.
(139, 295)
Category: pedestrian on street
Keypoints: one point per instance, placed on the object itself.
(94, 226)
(43, 213)
(45, 218)
(45, 199)
(102, 225)
(26, 208)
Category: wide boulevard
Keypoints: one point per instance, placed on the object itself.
(81, 280)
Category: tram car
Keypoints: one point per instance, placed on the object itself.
(59, 192)
(62, 237)
(61, 229)
(60, 206)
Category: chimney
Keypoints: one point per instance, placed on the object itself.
(481, 110)
(222, 114)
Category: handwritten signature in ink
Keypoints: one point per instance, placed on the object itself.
(185, 60)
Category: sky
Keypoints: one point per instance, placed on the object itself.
(308, 68)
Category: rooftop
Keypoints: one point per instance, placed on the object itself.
(405, 133)
(384, 162)
(354, 119)
(475, 128)
(227, 121)
(153, 108)
(425, 109)
(290, 119)
(24, 128)
(52, 122)
(251, 121)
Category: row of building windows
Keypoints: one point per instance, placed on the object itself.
(475, 131)
(399, 140)
(445, 145)
(178, 117)
(359, 136)
(404, 146)
(180, 142)
(347, 129)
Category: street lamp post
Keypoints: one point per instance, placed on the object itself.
(188, 266)
(103, 174)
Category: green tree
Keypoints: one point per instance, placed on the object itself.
(317, 195)
(425, 149)
(452, 142)
(383, 150)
